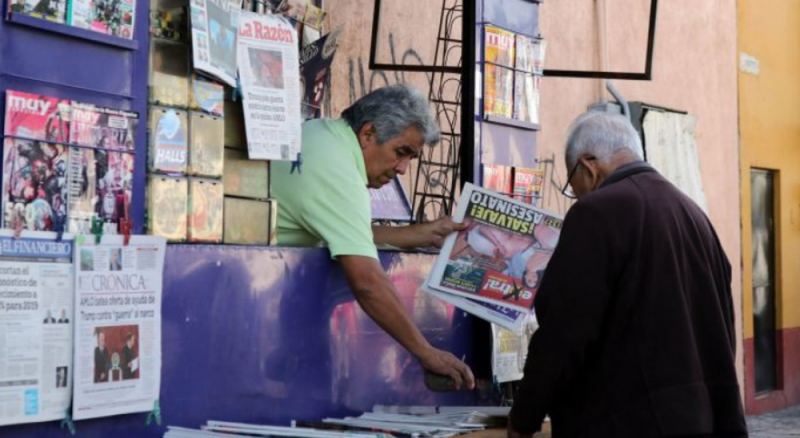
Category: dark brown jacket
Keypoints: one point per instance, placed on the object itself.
(636, 317)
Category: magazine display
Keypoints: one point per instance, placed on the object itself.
(37, 117)
(205, 211)
(526, 97)
(498, 91)
(206, 146)
(501, 256)
(497, 178)
(34, 184)
(530, 53)
(105, 128)
(114, 176)
(51, 10)
(167, 207)
(81, 190)
(528, 184)
(215, 25)
(169, 134)
(499, 47)
(111, 17)
(269, 72)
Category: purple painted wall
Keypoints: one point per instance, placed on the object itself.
(273, 334)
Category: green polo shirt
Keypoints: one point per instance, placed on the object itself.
(328, 203)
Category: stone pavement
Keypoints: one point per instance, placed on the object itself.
(782, 424)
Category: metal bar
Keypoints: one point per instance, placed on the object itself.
(467, 144)
(651, 38)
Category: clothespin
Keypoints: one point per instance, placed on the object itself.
(18, 227)
(155, 414)
(238, 90)
(58, 227)
(125, 227)
(67, 422)
(97, 229)
(298, 164)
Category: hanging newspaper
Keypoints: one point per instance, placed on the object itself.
(117, 352)
(214, 27)
(315, 65)
(36, 299)
(269, 74)
(501, 256)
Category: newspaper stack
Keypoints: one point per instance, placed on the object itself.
(493, 268)
(382, 422)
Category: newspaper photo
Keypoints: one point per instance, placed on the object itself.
(117, 352)
(501, 256)
(214, 27)
(269, 73)
(36, 299)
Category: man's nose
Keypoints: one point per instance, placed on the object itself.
(402, 167)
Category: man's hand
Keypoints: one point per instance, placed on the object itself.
(514, 434)
(442, 362)
(434, 233)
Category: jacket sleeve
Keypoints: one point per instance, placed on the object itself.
(570, 306)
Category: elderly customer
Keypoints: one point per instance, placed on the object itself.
(327, 202)
(636, 335)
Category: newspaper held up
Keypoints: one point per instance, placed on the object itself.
(501, 256)
(269, 73)
(36, 299)
(117, 352)
(214, 27)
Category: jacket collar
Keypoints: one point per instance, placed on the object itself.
(627, 170)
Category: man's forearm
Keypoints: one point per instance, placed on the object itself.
(400, 237)
(377, 295)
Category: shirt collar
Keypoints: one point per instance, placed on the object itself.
(627, 170)
(354, 147)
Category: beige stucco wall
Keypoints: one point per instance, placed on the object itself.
(694, 70)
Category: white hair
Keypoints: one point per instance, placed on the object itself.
(603, 136)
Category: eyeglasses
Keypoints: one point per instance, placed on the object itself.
(567, 190)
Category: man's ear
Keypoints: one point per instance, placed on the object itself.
(367, 135)
(592, 166)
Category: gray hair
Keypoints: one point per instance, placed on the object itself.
(392, 110)
(602, 135)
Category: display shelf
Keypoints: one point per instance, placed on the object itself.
(72, 31)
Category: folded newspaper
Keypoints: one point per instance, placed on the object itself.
(493, 268)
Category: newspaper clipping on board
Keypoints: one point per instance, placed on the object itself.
(269, 74)
(117, 352)
(36, 299)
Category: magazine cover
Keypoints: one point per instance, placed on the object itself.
(501, 256)
(215, 25)
(102, 127)
(82, 190)
(34, 184)
(169, 73)
(530, 54)
(499, 46)
(111, 17)
(498, 91)
(37, 117)
(528, 185)
(206, 206)
(114, 175)
(497, 178)
(315, 64)
(206, 146)
(51, 10)
(167, 207)
(526, 97)
(207, 96)
(168, 140)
